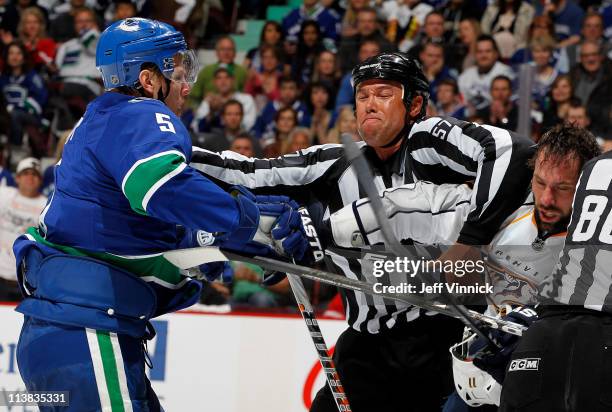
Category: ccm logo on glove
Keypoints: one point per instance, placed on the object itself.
(527, 364)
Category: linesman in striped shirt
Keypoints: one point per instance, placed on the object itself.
(392, 354)
(564, 361)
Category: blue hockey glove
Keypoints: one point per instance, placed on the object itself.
(269, 225)
(495, 362)
(215, 270)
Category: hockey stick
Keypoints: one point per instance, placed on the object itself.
(366, 180)
(301, 297)
(193, 257)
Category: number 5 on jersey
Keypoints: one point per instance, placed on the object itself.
(165, 125)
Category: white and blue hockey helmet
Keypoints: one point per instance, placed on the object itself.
(475, 386)
(128, 44)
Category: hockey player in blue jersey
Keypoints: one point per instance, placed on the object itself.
(93, 273)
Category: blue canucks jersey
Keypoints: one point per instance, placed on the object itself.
(123, 186)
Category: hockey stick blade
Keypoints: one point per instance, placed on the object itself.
(193, 257)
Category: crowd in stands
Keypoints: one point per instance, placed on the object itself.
(293, 90)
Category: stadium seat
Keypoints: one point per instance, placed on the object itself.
(277, 13)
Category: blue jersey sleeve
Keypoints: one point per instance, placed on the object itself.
(146, 149)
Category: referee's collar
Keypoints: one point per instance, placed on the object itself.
(394, 165)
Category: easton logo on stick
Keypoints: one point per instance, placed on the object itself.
(311, 234)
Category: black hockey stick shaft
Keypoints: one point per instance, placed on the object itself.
(366, 180)
(193, 257)
(301, 297)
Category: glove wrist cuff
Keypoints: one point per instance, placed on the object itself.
(249, 220)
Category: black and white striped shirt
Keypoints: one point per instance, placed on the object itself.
(440, 150)
(583, 276)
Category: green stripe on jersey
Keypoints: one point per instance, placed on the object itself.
(148, 175)
(111, 374)
(156, 266)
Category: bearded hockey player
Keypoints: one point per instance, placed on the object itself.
(92, 273)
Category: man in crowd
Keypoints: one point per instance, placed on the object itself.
(367, 30)
(502, 111)
(449, 101)
(222, 136)
(207, 116)
(225, 49)
(76, 64)
(475, 82)
(289, 97)
(19, 209)
(592, 80)
(434, 67)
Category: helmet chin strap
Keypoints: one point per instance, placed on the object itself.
(407, 125)
(400, 135)
(160, 93)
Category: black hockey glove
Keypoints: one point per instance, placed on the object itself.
(495, 362)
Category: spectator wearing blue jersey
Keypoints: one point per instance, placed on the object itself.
(434, 67)
(567, 17)
(24, 91)
(311, 10)
(448, 100)
(289, 97)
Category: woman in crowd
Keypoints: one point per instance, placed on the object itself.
(345, 123)
(286, 120)
(310, 44)
(272, 36)
(508, 22)
(264, 85)
(469, 30)
(555, 110)
(300, 138)
(326, 71)
(320, 105)
(542, 49)
(32, 33)
(26, 96)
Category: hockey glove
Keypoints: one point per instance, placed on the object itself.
(215, 270)
(495, 362)
(269, 225)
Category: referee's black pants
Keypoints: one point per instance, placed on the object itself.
(405, 369)
(563, 363)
